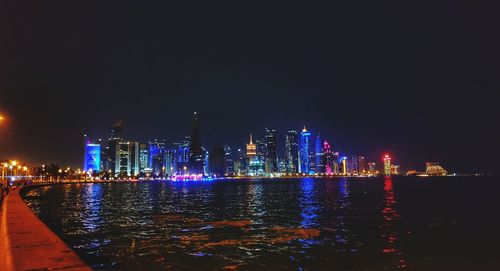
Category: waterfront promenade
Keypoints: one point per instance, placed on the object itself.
(28, 244)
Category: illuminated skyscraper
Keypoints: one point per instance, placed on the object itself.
(144, 158)
(156, 156)
(336, 167)
(228, 155)
(305, 151)
(251, 149)
(329, 158)
(319, 156)
(292, 152)
(255, 158)
(182, 155)
(242, 163)
(92, 155)
(281, 166)
(361, 165)
(261, 151)
(170, 161)
(196, 155)
(343, 163)
(206, 156)
(127, 158)
(353, 165)
(387, 165)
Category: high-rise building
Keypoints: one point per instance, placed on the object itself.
(291, 152)
(271, 155)
(372, 168)
(361, 165)
(144, 159)
(229, 160)
(281, 166)
(206, 156)
(242, 163)
(251, 149)
(305, 151)
(127, 158)
(156, 155)
(343, 163)
(182, 156)
(92, 155)
(353, 165)
(387, 165)
(261, 151)
(196, 154)
(255, 158)
(217, 161)
(169, 161)
(115, 136)
(329, 158)
(319, 156)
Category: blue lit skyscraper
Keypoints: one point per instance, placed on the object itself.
(92, 156)
(319, 156)
(156, 156)
(305, 149)
(182, 156)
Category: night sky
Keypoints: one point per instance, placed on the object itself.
(416, 79)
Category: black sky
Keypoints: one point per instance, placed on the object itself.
(417, 79)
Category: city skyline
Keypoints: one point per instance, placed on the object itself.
(267, 156)
(280, 149)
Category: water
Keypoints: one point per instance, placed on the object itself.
(298, 224)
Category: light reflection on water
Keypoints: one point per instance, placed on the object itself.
(313, 224)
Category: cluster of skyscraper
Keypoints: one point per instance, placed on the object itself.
(121, 157)
(302, 154)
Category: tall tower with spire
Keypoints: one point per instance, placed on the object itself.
(195, 163)
(251, 149)
(305, 150)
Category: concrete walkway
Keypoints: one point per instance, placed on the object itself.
(27, 244)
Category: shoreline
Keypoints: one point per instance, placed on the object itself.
(26, 243)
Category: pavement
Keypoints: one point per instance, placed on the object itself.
(26, 243)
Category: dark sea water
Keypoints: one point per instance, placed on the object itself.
(448, 223)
